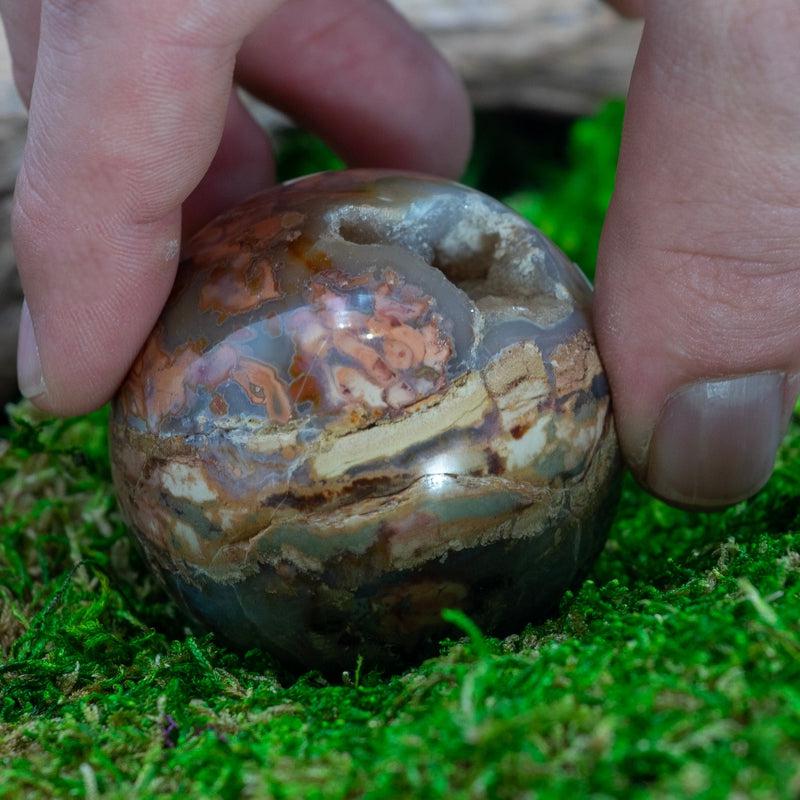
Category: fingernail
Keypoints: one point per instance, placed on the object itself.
(715, 441)
(29, 366)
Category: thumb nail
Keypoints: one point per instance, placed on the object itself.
(29, 365)
(715, 441)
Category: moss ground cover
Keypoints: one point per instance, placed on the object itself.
(673, 671)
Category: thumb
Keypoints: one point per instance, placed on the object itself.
(699, 266)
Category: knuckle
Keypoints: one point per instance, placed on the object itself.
(732, 296)
(31, 207)
(32, 214)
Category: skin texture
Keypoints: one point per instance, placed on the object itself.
(697, 274)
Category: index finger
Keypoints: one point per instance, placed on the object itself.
(127, 111)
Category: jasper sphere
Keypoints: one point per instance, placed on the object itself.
(370, 397)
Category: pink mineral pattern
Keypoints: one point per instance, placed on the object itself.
(371, 396)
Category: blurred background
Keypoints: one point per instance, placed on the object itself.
(534, 68)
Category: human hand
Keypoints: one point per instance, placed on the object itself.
(698, 278)
(697, 271)
(129, 102)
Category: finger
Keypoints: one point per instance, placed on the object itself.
(127, 111)
(357, 73)
(699, 267)
(21, 21)
(243, 165)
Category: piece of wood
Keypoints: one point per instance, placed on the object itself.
(564, 56)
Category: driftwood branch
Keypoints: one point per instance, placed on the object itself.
(556, 55)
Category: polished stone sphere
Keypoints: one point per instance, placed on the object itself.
(371, 396)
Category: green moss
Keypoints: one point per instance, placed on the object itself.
(301, 153)
(673, 671)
